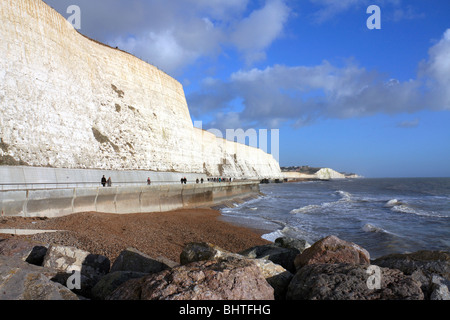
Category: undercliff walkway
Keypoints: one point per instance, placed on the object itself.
(67, 185)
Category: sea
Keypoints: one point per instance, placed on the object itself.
(384, 216)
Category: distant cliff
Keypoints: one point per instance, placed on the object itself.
(308, 173)
(70, 102)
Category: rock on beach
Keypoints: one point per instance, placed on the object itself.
(331, 249)
(231, 279)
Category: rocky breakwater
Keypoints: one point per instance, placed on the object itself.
(330, 269)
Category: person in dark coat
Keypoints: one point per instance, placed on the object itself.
(104, 181)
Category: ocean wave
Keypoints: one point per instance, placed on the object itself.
(273, 235)
(287, 231)
(404, 208)
(392, 203)
(345, 196)
(307, 209)
(372, 228)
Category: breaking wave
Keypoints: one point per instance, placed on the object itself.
(314, 208)
(372, 228)
(392, 203)
(345, 196)
(405, 208)
(308, 209)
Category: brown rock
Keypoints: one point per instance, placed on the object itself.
(332, 250)
(350, 282)
(276, 275)
(29, 251)
(132, 259)
(231, 279)
(22, 281)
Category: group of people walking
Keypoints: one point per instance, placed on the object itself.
(220, 179)
(108, 182)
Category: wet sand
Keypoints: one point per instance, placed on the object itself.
(156, 234)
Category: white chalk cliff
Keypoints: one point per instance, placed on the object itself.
(69, 102)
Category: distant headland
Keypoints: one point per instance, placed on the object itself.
(307, 173)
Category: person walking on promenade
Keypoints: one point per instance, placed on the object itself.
(109, 182)
(149, 182)
(104, 181)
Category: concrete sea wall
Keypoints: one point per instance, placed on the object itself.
(121, 200)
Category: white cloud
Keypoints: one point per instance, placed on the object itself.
(331, 8)
(255, 33)
(436, 72)
(176, 33)
(394, 10)
(301, 94)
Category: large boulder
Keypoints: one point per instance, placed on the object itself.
(70, 261)
(29, 251)
(276, 275)
(112, 281)
(202, 251)
(350, 282)
(230, 279)
(421, 265)
(22, 281)
(332, 250)
(439, 288)
(292, 243)
(133, 260)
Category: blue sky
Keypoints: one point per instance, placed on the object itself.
(374, 102)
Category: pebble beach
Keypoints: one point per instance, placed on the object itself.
(155, 234)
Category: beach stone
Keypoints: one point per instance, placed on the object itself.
(112, 281)
(133, 260)
(349, 282)
(22, 281)
(421, 265)
(332, 250)
(439, 288)
(292, 243)
(202, 251)
(29, 251)
(67, 260)
(276, 275)
(230, 279)
(282, 256)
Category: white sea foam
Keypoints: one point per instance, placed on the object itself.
(372, 228)
(346, 196)
(307, 209)
(273, 235)
(404, 208)
(288, 231)
(313, 208)
(393, 202)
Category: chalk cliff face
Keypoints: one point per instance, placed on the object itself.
(67, 101)
(322, 174)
